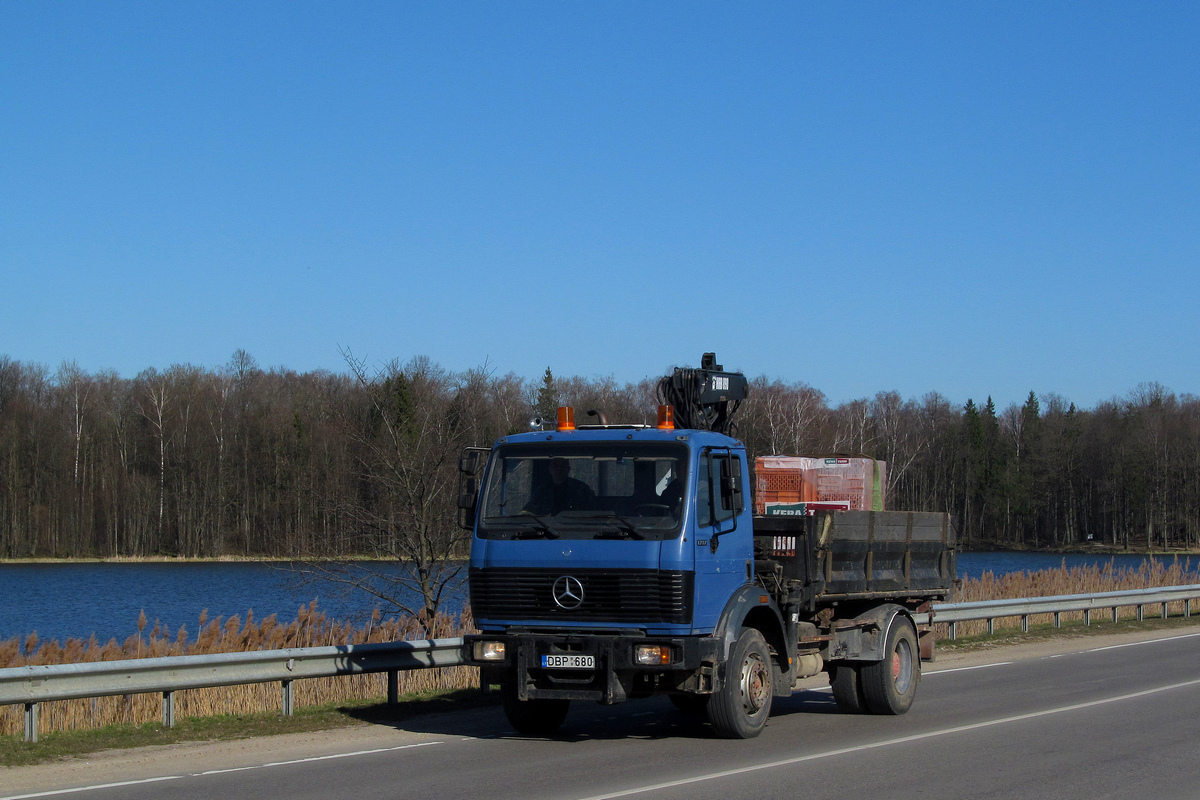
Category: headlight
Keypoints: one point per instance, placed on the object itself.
(652, 654)
(489, 651)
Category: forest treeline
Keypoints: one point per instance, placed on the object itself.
(195, 461)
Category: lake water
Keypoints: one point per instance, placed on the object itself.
(76, 600)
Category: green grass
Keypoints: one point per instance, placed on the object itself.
(14, 751)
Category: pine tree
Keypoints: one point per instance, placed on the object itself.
(547, 397)
(1028, 480)
(993, 472)
(974, 469)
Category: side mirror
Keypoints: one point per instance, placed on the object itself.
(731, 484)
(468, 491)
(469, 465)
(468, 462)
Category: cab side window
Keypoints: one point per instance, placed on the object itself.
(711, 507)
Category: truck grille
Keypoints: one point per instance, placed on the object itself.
(638, 596)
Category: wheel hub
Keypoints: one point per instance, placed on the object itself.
(756, 684)
(902, 666)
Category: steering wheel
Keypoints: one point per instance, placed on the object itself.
(651, 510)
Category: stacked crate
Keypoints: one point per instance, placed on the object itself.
(803, 485)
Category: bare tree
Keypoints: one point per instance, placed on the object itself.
(789, 418)
(407, 435)
(154, 402)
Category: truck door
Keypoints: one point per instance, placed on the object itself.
(722, 546)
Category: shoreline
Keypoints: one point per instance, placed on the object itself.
(1094, 550)
(230, 559)
(990, 547)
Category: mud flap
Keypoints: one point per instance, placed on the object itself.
(925, 640)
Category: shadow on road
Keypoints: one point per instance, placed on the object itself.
(469, 713)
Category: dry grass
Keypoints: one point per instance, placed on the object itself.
(311, 628)
(1069, 580)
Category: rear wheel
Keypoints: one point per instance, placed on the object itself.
(741, 707)
(532, 717)
(889, 686)
(847, 688)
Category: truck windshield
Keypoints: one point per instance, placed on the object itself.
(628, 490)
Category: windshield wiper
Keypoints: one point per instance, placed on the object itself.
(540, 528)
(626, 529)
(544, 527)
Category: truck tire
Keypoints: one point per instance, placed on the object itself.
(889, 686)
(532, 717)
(739, 710)
(847, 688)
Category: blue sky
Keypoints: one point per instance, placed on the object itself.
(969, 198)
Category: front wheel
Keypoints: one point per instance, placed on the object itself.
(741, 707)
(889, 686)
(532, 717)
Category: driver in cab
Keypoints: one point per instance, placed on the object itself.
(561, 493)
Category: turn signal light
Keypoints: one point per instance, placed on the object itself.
(666, 418)
(566, 418)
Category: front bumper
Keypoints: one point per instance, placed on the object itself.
(616, 675)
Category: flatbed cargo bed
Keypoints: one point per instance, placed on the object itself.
(858, 555)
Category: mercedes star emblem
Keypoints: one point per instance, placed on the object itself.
(568, 592)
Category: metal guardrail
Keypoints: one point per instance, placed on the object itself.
(39, 684)
(1025, 607)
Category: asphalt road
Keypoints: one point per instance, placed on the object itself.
(1120, 722)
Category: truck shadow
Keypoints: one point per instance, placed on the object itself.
(805, 701)
(480, 716)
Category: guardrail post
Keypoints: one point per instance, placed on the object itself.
(1057, 620)
(953, 631)
(31, 722)
(1087, 616)
(1164, 609)
(991, 626)
(1141, 616)
(1024, 623)
(1116, 613)
(393, 686)
(1187, 608)
(168, 709)
(287, 706)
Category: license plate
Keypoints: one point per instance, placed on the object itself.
(569, 662)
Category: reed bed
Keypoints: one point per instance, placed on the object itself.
(1070, 580)
(311, 628)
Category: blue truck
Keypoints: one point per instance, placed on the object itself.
(617, 561)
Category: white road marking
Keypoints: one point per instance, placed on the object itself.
(90, 788)
(1148, 641)
(965, 669)
(1063, 655)
(96, 787)
(890, 742)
